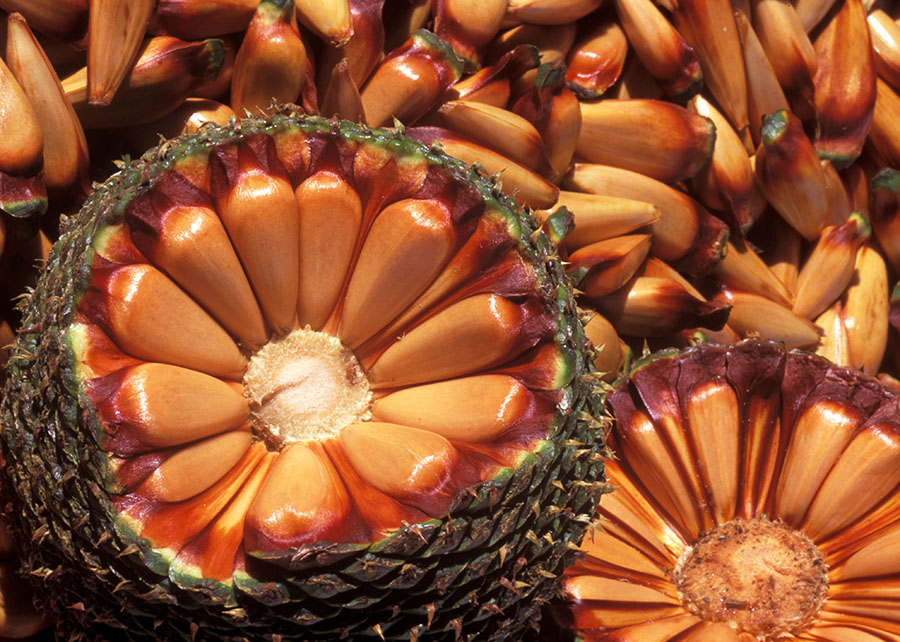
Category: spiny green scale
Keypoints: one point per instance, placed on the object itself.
(480, 572)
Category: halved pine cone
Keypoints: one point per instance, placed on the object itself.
(298, 379)
(756, 498)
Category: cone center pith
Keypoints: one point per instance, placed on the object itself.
(758, 576)
(305, 386)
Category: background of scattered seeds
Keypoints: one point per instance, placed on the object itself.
(714, 170)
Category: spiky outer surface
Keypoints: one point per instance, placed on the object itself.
(480, 572)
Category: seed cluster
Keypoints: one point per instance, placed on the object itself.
(713, 170)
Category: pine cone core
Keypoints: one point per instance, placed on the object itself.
(758, 576)
(307, 385)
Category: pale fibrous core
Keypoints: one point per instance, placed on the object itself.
(758, 576)
(305, 386)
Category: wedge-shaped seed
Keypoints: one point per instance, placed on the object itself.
(331, 21)
(384, 281)
(631, 507)
(526, 187)
(491, 85)
(743, 269)
(115, 33)
(468, 25)
(614, 557)
(754, 315)
(609, 350)
(364, 49)
(553, 42)
(811, 12)
(598, 217)
(726, 181)
(820, 435)
(484, 251)
(876, 558)
(199, 19)
(651, 137)
(378, 509)
(379, 181)
(560, 131)
(660, 269)
(151, 318)
(884, 134)
(216, 88)
(258, 208)
(884, 213)
(196, 467)
(790, 175)
(788, 49)
(418, 460)
(271, 63)
(596, 60)
(555, 111)
(505, 132)
(21, 139)
(764, 92)
(709, 246)
(166, 73)
(189, 242)
(830, 266)
(22, 189)
(215, 549)
(65, 147)
(63, 19)
(868, 595)
(330, 220)
(655, 307)
(834, 345)
(844, 85)
(885, 36)
(410, 80)
(154, 405)
(664, 53)
(871, 460)
(603, 267)
(716, 632)
(172, 525)
(471, 335)
(664, 629)
(341, 97)
(678, 226)
(602, 595)
(866, 310)
(709, 27)
(657, 467)
(713, 421)
(471, 409)
(550, 12)
(302, 500)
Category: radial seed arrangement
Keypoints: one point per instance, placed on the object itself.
(756, 499)
(706, 171)
(301, 379)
